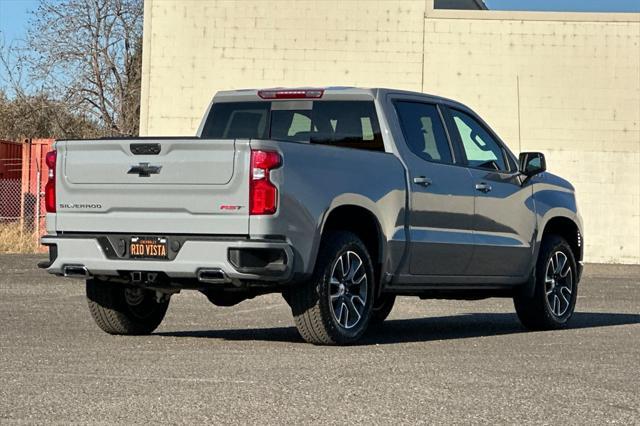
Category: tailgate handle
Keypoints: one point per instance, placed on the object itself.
(145, 148)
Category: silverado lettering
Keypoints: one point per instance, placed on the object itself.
(80, 206)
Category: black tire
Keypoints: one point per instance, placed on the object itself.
(115, 315)
(311, 303)
(537, 312)
(382, 308)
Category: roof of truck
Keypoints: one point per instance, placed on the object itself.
(328, 93)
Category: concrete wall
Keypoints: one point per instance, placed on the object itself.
(567, 87)
(192, 48)
(564, 83)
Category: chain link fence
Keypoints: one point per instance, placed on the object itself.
(22, 212)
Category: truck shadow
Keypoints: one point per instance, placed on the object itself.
(421, 329)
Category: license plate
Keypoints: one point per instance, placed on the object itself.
(148, 248)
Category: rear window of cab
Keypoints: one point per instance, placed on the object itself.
(350, 124)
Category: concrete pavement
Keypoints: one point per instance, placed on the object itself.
(432, 362)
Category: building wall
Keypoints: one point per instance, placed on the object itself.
(568, 88)
(192, 48)
(567, 84)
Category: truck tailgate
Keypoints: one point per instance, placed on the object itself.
(191, 186)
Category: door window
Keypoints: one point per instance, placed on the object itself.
(481, 149)
(423, 131)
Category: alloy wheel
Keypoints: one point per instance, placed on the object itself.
(558, 284)
(348, 289)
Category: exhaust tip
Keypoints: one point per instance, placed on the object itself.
(214, 275)
(75, 271)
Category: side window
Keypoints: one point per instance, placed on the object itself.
(423, 131)
(481, 149)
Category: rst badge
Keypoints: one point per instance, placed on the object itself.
(229, 207)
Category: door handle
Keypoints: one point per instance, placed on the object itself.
(483, 187)
(422, 180)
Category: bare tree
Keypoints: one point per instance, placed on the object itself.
(37, 116)
(32, 113)
(87, 54)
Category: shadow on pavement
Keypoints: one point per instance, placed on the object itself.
(421, 329)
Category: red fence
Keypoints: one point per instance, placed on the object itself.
(10, 160)
(23, 174)
(10, 178)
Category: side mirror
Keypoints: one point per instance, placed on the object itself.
(532, 163)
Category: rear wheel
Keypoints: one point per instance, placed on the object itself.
(122, 309)
(556, 288)
(334, 306)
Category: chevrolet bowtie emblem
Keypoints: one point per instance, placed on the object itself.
(144, 170)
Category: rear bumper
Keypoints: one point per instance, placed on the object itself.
(235, 259)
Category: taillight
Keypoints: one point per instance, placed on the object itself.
(263, 194)
(50, 187)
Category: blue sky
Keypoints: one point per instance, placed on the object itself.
(14, 14)
(568, 5)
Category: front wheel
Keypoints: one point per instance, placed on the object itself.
(556, 288)
(121, 309)
(334, 306)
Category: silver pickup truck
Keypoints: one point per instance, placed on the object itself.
(338, 198)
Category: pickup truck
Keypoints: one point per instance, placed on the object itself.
(338, 198)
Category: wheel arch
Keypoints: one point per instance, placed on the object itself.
(568, 229)
(364, 223)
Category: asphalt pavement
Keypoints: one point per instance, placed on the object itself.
(432, 362)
